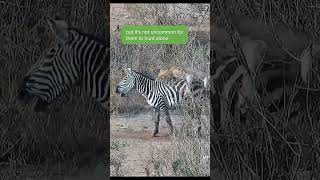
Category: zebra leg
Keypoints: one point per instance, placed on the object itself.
(157, 121)
(168, 119)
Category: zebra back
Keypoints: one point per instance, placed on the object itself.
(160, 93)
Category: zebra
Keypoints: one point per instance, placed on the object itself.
(161, 95)
(75, 59)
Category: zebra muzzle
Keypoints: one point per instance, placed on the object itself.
(119, 92)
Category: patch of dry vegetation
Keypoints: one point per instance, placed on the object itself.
(280, 142)
(117, 158)
(183, 156)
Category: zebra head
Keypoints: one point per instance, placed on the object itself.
(127, 84)
(57, 70)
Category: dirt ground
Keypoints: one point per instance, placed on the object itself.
(135, 133)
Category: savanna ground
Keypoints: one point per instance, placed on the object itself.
(69, 142)
(134, 152)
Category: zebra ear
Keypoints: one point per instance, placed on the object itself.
(128, 70)
(189, 78)
(59, 28)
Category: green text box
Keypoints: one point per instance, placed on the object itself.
(154, 34)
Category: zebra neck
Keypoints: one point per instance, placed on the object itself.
(94, 70)
(144, 86)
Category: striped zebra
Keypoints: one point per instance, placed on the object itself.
(76, 59)
(161, 95)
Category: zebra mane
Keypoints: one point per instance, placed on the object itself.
(90, 36)
(148, 77)
(38, 64)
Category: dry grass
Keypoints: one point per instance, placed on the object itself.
(117, 158)
(173, 160)
(281, 143)
(77, 129)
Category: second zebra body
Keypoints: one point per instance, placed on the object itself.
(76, 59)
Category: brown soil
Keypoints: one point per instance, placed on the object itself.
(136, 132)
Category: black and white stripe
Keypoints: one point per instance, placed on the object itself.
(76, 59)
(158, 94)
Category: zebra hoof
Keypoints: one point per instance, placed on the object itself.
(155, 134)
